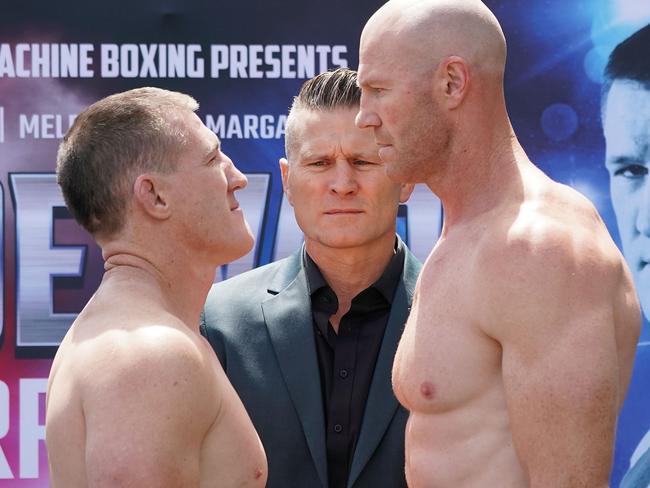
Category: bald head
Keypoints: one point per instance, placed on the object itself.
(431, 76)
(424, 32)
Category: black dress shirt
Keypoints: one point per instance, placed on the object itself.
(347, 360)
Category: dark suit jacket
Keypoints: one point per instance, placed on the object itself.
(261, 327)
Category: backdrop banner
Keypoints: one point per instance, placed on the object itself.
(244, 61)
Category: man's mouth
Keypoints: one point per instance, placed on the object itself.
(338, 211)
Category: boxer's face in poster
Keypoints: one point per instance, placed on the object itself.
(626, 126)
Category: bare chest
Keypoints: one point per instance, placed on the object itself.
(444, 359)
(232, 451)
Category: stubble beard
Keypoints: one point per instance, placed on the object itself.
(428, 154)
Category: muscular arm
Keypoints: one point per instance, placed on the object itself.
(565, 317)
(147, 405)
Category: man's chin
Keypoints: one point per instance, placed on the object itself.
(342, 241)
(247, 244)
(237, 248)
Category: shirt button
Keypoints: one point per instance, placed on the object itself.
(343, 373)
(338, 428)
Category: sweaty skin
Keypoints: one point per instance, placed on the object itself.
(518, 350)
(136, 396)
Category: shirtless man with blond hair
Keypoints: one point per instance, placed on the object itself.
(136, 397)
(518, 351)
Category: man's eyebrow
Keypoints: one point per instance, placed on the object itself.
(625, 160)
(364, 82)
(369, 80)
(367, 156)
(213, 151)
(308, 154)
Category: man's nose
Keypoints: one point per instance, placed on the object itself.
(344, 181)
(366, 117)
(643, 215)
(236, 179)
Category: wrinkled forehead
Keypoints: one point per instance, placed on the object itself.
(324, 132)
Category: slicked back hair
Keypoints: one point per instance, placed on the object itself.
(325, 92)
(110, 144)
(630, 60)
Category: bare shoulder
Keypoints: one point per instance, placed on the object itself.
(147, 357)
(554, 291)
(148, 393)
(554, 257)
(558, 233)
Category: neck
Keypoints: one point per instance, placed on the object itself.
(483, 170)
(349, 271)
(177, 285)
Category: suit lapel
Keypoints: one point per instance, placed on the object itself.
(381, 403)
(288, 319)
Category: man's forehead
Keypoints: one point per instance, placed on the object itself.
(307, 117)
(626, 93)
(216, 142)
(627, 113)
(324, 137)
(204, 140)
(373, 69)
(323, 146)
(385, 57)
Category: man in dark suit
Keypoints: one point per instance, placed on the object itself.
(308, 342)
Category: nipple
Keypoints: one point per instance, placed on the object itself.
(427, 390)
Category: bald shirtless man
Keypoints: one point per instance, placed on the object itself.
(518, 350)
(136, 397)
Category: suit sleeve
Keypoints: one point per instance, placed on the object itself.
(206, 326)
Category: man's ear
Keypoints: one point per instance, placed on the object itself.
(284, 171)
(452, 81)
(405, 192)
(151, 195)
